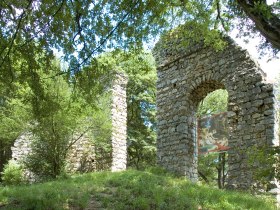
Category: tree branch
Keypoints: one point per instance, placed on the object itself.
(203, 176)
(219, 17)
(267, 24)
(101, 43)
(16, 32)
(41, 29)
(109, 34)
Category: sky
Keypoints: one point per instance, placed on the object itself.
(271, 68)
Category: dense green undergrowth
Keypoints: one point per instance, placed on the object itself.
(150, 189)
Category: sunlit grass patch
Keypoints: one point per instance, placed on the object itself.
(131, 189)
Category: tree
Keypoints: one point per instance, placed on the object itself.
(264, 159)
(265, 17)
(14, 117)
(62, 109)
(56, 118)
(61, 116)
(81, 29)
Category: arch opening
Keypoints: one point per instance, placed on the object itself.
(205, 88)
(212, 138)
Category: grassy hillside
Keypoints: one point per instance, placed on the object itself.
(151, 189)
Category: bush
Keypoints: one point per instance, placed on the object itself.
(48, 156)
(12, 174)
(264, 161)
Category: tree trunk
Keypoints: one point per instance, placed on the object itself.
(221, 170)
(203, 177)
(267, 25)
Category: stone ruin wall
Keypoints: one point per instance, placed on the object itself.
(119, 124)
(21, 147)
(185, 76)
(82, 155)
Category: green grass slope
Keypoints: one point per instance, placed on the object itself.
(151, 189)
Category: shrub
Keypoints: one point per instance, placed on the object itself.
(12, 174)
(48, 156)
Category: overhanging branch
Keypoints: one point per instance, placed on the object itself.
(267, 25)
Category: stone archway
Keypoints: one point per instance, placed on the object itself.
(185, 76)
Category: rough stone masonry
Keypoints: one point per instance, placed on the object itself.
(185, 76)
(119, 123)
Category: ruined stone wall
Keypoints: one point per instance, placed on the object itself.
(185, 76)
(80, 158)
(82, 155)
(21, 147)
(119, 123)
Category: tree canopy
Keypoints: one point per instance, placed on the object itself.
(81, 29)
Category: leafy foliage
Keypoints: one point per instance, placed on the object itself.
(83, 29)
(101, 131)
(212, 169)
(14, 117)
(60, 117)
(139, 66)
(253, 16)
(61, 111)
(207, 167)
(213, 103)
(264, 160)
(12, 174)
(141, 88)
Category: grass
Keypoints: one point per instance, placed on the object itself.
(150, 189)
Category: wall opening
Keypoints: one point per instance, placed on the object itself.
(212, 138)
